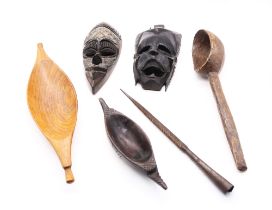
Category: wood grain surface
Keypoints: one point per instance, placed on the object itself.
(208, 57)
(52, 102)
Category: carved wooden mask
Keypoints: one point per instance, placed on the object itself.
(155, 57)
(101, 51)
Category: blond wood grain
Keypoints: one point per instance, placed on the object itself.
(52, 102)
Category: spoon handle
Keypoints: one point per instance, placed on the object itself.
(228, 122)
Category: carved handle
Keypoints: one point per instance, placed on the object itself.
(223, 184)
(228, 122)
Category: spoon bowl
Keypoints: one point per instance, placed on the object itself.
(208, 52)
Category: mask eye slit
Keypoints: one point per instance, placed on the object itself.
(107, 52)
(90, 48)
(144, 49)
(89, 52)
(164, 49)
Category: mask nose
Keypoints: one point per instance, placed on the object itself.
(97, 60)
(153, 52)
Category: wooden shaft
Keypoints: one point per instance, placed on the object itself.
(228, 122)
(223, 184)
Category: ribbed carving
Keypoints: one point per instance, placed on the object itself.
(108, 27)
(155, 176)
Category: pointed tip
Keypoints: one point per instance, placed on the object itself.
(94, 90)
(96, 84)
(123, 91)
(104, 105)
(40, 45)
(125, 94)
(166, 87)
(41, 54)
(163, 185)
(155, 176)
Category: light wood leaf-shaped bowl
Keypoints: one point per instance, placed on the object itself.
(52, 102)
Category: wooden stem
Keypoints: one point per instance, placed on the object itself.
(69, 175)
(224, 185)
(228, 122)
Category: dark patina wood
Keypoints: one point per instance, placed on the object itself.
(208, 58)
(131, 142)
(223, 184)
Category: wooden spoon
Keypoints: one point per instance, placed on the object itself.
(52, 102)
(208, 57)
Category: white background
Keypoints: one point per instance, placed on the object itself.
(31, 176)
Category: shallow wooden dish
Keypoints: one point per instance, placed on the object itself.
(52, 102)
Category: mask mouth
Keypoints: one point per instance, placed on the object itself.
(97, 69)
(153, 69)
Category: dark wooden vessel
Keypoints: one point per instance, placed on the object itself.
(131, 142)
